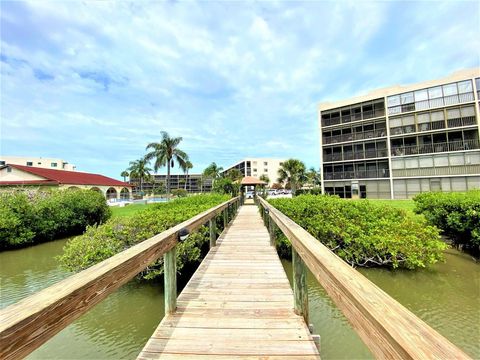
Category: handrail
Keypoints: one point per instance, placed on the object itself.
(385, 326)
(29, 323)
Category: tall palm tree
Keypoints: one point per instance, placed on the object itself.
(292, 171)
(213, 171)
(166, 152)
(139, 170)
(188, 166)
(264, 177)
(124, 174)
(234, 174)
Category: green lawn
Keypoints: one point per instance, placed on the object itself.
(407, 205)
(128, 210)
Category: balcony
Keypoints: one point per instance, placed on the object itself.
(436, 147)
(432, 103)
(354, 136)
(434, 171)
(357, 174)
(357, 155)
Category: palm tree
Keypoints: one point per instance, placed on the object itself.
(292, 171)
(314, 177)
(234, 174)
(264, 177)
(139, 170)
(188, 166)
(166, 153)
(124, 174)
(213, 171)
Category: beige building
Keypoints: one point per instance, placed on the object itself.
(47, 163)
(14, 176)
(257, 167)
(399, 141)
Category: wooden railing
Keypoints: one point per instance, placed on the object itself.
(388, 329)
(28, 324)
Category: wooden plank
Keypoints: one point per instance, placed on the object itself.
(26, 325)
(237, 305)
(387, 328)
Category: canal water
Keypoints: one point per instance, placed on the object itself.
(446, 296)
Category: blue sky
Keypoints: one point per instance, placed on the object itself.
(94, 82)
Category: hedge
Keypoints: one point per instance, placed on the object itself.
(363, 233)
(29, 217)
(100, 242)
(457, 214)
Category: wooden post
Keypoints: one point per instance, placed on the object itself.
(213, 232)
(225, 218)
(170, 279)
(300, 292)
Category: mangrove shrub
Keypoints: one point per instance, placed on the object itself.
(29, 217)
(100, 242)
(364, 233)
(457, 214)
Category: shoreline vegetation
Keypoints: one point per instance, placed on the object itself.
(363, 233)
(119, 233)
(32, 217)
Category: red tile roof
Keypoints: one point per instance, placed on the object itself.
(250, 180)
(69, 177)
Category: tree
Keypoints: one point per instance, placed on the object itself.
(226, 186)
(188, 166)
(264, 177)
(213, 171)
(166, 153)
(313, 177)
(124, 174)
(234, 174)
(139, 170)
(292, 172)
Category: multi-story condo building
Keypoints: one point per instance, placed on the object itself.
(399, 141)
(47, 163)
(194, 183)
(257, 167)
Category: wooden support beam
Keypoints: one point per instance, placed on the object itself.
(271, 229)
(170, 280)
(225, 219)
(300, 290)
(213, 232)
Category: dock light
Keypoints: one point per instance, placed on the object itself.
(266, 211)
(183, 234)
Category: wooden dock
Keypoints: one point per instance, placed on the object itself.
(238, 304)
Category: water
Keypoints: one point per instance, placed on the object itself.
(445, 296)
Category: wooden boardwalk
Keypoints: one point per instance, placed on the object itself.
(237, 305)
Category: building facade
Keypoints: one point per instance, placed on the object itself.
(47, 163)
(193, 183)
(257, 167)
(399, 141)
(31, 177)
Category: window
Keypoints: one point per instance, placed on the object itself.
(421, 95)
(450, 89)
(423, 118)
(2, 162)
(426, 161)
(468, 111)
(435, 92)
(465, 87)
(30, 163)
(453, 113)
(265, 163)
(265, 170)
(393, 100)
(438, 116)
(9, 169)
(254, 170)
(54, 164)
(406, 98)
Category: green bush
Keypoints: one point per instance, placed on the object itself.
(226, 186)
(457, 214)
(179, 192)
(100, 242)
(363, 233)
(30, 217)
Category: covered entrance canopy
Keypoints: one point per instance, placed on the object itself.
(251, 181)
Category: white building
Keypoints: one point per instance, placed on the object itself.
(47, 163)
(257, 167)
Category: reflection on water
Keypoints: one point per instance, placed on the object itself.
(445, 296)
